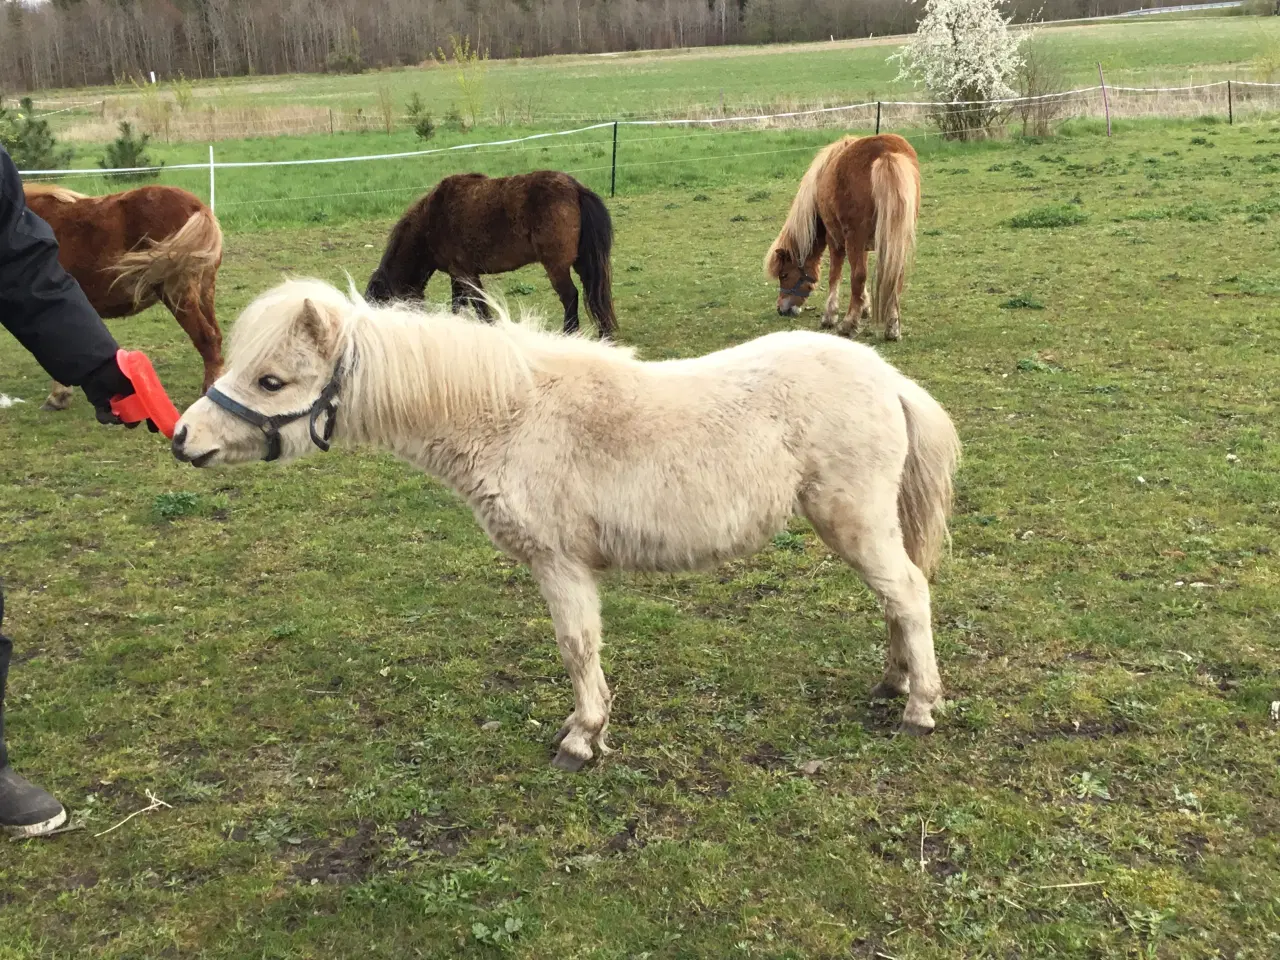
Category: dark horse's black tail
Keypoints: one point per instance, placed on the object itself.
(595, 241)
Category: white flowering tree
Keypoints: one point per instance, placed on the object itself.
(962, 51)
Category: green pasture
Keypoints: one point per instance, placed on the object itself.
(558, 92)
(302, 660)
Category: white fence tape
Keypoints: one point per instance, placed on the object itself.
(709, 121)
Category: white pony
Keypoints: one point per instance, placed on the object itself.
(576, 458)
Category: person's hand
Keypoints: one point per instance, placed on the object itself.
(102, 385)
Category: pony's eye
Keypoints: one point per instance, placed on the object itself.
(271, 383)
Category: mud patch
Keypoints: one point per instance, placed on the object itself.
(350, 860)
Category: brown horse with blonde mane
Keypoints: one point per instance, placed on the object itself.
(858, 193)
(131, 250)
(471, 224)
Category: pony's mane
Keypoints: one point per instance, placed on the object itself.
(53, 190)
(801, 226)
(413, 361)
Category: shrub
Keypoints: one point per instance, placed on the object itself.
(424, 127)
(1040, 73)
(29, 140)
(961, 52)
(129, 150)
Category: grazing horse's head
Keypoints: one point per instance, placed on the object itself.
(796, 280)
(406, 264)
(283, 381)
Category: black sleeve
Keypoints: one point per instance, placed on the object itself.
(40, 303)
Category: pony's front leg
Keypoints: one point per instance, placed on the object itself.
(571, 595)
(833, 289)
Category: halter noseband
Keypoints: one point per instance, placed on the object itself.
(326, 405)
(796, 291)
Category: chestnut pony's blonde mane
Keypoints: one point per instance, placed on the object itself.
(407, 363)
(801, 226)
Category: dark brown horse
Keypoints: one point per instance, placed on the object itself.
(471, 225)
(858, 194)
(134, 249)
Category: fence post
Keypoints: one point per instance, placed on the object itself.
(1231, 112)
(331, 121)
(212, 197)
(613, 167)
(877, 118)
(1106, 103)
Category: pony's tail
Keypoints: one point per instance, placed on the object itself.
(895, 190)
(175, 264)
(924, 493)
(595, 242)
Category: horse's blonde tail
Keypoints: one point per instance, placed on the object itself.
(59, 193)
(924, 494)
(175, 264)
(800, 229)
(895, 190)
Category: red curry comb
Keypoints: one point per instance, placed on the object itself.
(149, 401)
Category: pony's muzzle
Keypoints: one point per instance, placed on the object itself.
(178, 447)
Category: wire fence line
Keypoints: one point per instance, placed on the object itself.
(1237, 96)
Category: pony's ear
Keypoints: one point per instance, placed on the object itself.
(317, 325)
(775, 262)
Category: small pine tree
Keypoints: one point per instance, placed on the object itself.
(129, 150)
(29, 140)
(424, 127)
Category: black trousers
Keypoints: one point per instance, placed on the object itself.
(6, 648)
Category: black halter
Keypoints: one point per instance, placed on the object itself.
(796, 291)
(326, 405)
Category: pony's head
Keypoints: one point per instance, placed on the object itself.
(796, 280)
(278, 396)
(406, 264)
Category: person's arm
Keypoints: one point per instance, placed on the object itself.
(45, 309)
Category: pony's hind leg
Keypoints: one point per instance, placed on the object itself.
(59, 398)
(572, 598)
(864, 530)
(190, 311)
(859, 296)
(833, 288)
(562, 281)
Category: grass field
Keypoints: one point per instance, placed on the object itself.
(300, 660)
(559, 91)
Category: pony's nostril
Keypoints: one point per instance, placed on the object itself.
(179, 439)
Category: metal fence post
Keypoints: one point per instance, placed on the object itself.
(212, 196)
(613, 167)
(877, 118)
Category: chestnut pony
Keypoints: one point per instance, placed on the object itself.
(131, 250)
(858, 193)
(471, 224)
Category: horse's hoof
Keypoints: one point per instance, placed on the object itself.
(914, 729)
(564, 760)
(50, 406)
(560, 735)
(886, 691)
(893, 335)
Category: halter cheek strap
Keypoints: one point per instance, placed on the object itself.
(797, 290)
(326, 405)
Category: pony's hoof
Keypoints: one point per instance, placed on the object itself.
(892, 334)
(53, 406)
(915, 729)
(884, 690)
(569, 762)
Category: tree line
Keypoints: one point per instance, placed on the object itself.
(72, 43)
